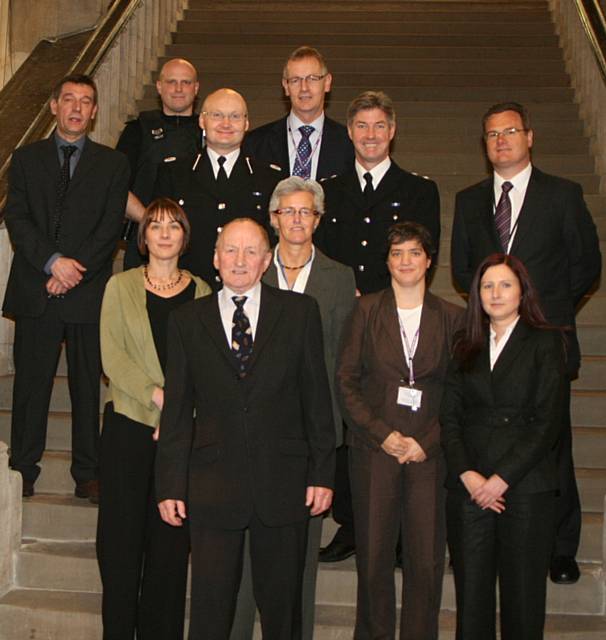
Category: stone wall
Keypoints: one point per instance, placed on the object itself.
(10, 522)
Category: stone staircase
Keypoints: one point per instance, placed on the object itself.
(443, 63)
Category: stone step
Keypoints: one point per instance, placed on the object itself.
(589, 447)
(592, 375)
(58, 435)
(454, 183)
(68, 615)
(587, 408)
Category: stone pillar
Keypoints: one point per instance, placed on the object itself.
(10, 522)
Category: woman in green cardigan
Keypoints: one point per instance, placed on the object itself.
(142, 560)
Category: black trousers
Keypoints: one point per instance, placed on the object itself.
(143, 560)
(342, 510)
(392, 500)
(277, 557)
(568, 505)
(36, 352)
(515, 547)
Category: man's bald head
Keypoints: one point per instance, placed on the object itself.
(177, 86)
(224, 119)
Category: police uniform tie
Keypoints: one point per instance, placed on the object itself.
(62, 186)
(368, 188)
(302, 166)
(502, 215)
(222, 174)
(241, 335)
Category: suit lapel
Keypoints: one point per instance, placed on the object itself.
(271, 276)
(270, 310)
(389, 182)
(486, 212)
(325, 158)
(50, 159)
(391, 326)
(205, 175)
(353, 189)
(279, 143)
(526, 219)
(510, 353)
(210, 317)
(85, 164)
(429, 330)
(316, 283)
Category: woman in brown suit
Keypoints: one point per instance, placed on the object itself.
(392, 363)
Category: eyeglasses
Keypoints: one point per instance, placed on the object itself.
(511, 131)
(312, 78)
(218, 116)
(304, 212)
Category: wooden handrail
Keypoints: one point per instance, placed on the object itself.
(594, 24)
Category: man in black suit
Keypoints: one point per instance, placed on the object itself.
(543, 220)
(259, 454)
(64, 211)
(218, 184)
(361, 205)
(159, 136)
(305, 143)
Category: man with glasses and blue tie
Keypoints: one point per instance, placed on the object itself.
(218, 184)
(305, 143)
(542, 220)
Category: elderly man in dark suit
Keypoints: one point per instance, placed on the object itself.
(259, 455)
(64, 211)
(305, 143)
(543, 220)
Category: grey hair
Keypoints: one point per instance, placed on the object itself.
(292, 185)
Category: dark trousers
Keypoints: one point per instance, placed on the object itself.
(143, 560)
(342, 510)
(277, 555)
(514, 546)
(568, 505)
(390, 500)
(36, 353)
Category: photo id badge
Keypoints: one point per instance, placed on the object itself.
(409, 397)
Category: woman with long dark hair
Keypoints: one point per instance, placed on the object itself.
(500, 426)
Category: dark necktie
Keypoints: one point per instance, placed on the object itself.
(502, 215)
(221, 174)
(62, 186)
(302, 166)
(368, 188)
(241, 335)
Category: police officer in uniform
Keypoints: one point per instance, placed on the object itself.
(220, 183)
(159, 136)
(363, 203)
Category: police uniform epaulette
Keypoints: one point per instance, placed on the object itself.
(275, 167)
(414, 173)
(334, 175)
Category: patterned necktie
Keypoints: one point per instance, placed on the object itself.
(241, 335)
(302, 166)
(368, 188)
(62, 185)
(502, 215)
(221, 174)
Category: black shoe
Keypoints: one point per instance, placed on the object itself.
(336, 551)
(88, 489)
(564, 570)
(399, 555)
(28, 489)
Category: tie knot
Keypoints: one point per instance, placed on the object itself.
(221, 160)
(507, 187)
(306, 130)
(68, 150)
(239, 301)
(368, 178)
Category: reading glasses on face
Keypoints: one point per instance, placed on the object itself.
(510, 131)
(218, 116)
(295, 81)
(304, 212)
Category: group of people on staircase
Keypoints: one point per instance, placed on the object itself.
(273, 324)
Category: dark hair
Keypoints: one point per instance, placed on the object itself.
(372, 100)
(507, 106)
(477, 322)
(75, 78)
(404, 231)
(154, 212)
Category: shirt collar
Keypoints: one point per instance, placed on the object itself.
(61, 142)
(519, 181)
(294, 123)
(506, 333)
(253, 296)
(230, 158)
(377, 172)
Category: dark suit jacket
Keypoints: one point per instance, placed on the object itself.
(208, 207)
(334, 289)
(270, 144)
(507, 421)
(257, 442)
(556, 240)
(355, 233)
(90, 225)
(371, 366)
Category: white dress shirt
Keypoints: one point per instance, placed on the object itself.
(293, 136)
(516, 196)
(302, 277)
(497, 347)
(228, 165)
(227, 308)
(377, 172)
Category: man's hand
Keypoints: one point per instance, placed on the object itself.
(55, 288)
(319, 499)
(172, 512)
(395, 444)
(67, 271)
(414, 452)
